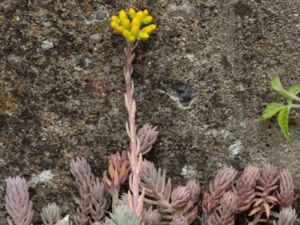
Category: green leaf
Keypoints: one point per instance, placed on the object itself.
(277, 86)
(283, 121)
(271, 110)
(276, 83)
(295, 90)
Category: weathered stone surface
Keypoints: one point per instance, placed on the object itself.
(203, 79)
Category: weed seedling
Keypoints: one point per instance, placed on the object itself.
(282, 109)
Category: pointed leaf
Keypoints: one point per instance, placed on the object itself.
(168, 190)
(267, 210)
(271, 199)
(254, 211)
(283, 121)
(277, 86)
(106, 180)
(271, 110)
(295, 90)
(111, 170)
(163, 182)
(115, 178)
(276, 83)
(258, 202)
(64, 221)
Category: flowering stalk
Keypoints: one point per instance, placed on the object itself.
(134, 27)
(135, 157)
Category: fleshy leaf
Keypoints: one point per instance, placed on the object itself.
(271, 110)
(295, 90)
(283, 121)
(123, 216)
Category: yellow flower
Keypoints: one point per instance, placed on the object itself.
(115, 19)
(126, 23)
(132, 26)
(132, 13)
(116, 27)
(145, 12)
(120, 29)
(143, 35)
(147, 20)
(140, 15)
(126, 34)
(149, 29)
(135, 26)
(132, 39)
(122, 15)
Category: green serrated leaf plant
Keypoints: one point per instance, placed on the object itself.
(282, 110)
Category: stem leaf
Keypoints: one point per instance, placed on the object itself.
(295, 90)
(277, 86)
(271, 110)
(283, 122)
(276, 83)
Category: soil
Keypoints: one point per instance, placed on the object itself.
(203, 79)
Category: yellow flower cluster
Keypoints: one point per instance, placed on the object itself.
(134, 27)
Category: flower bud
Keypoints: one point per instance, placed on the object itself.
(114, 25)
(131, 39)
(143, 35)
(135, 26)
(145, 12)
(147, 20)
(132, 13)
(122, 15)
(150, 28)
(140, 15)
(126, 34)
(115, 19)
(126, 23)
(120, 29)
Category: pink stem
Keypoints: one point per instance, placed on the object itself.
(134, 152)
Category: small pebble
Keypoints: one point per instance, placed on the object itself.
(46, 45)
(47, 24)
(235, 148)
(44, 176)
(95, 38)
(98, 15)
(84, 62)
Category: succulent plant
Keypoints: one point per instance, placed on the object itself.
(245, 187)
(286, 195)
(222, 182)
(17, 202)
(225, 212)
(287, 216)
(179, 220)
(123, 216)
(260, 196)
(93, 200)
(151, 217)
(50, 214)
(147, 136)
